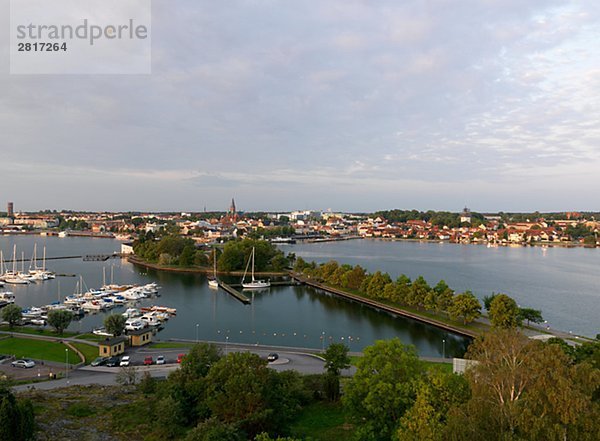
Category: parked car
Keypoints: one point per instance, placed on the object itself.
(112, 362)
(272, 357)
(23, 363)
(160, 359)
(180, 358)
(148, 361)
(99, 361)
(125, 361)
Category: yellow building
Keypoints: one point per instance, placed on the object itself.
(111, 347)
(140, 337)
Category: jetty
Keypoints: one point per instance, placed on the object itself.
(383, 307)
(234, 292)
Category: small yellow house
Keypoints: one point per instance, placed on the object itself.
(112, 346)
(140, 337)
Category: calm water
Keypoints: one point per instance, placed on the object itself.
(287, 316)
(563, 282)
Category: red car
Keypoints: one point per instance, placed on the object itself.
(148, 361)
(180, 357)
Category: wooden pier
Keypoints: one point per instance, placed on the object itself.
(235, 293)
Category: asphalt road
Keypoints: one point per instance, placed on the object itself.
(102, 375)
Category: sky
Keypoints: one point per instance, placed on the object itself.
(349, 105)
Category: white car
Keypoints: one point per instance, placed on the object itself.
(125, 360)
(23, 363)
(160, 359)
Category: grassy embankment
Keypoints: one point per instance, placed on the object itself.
(36, 331)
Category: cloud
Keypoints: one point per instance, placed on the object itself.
(299, 102)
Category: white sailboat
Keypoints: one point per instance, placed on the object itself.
(254, 283)
(13, 277)
(213, 282)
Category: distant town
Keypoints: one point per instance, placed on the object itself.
(466, 226)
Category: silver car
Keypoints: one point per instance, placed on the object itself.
(23, 363)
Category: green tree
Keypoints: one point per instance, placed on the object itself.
(418, 292)
(525, 389)
(115, 324)
(504, 312)
(377, 284)
(437, 393)
(12, 314)
(353, 279)
(214, 430)
(383, 388)
(487, 301)
(531, 315)
(186, 258)
(444, 296)
(336, 359)
(403, 289)
(16, 417)
(60, 319)
(465, 306)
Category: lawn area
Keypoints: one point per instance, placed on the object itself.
(323, 421)
(36, 331)
(171, 344)
(89, 352)
(90, 337)
(37, 349)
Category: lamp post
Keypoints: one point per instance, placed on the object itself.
(67, 364)
(444, 347)
(197, 325)
(323, 341)
(226, 343)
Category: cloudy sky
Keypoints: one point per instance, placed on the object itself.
(343, 104)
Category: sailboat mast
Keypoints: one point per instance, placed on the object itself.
(44, 260)
(253, 264)
(14, 270)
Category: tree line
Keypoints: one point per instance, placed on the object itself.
(418, 294)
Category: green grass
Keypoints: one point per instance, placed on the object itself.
(323, 421)
(171, 344)
(36, 331)
(88, 351)
(37, 349)
(90, 337)
(80, 410)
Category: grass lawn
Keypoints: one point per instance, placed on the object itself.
(323, 421)
(36, 331)
(171, 344)
(37, 349)
(88, 351)
(90, 337)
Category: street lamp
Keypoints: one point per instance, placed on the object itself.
(67, 364)
(323, 341)
(444, 347)
(226, 342)
(197, 325)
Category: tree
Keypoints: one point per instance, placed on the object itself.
(444, 296)
(214, 430)
(353, 279)
(526, 389)
(16, 417)
(418, 292)
(239, 390)
(186, 258)
(336, 359)
(383, 388)
(465, 305)
(504, 312)
(437, 393)
(12, 314)
(531, 315)
(487, 301)
(60, 319)
(115, 324)
(377, 284)
(127, 376)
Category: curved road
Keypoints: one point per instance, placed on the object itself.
(288, 360)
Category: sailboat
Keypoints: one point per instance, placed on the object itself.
(254, 283)
(213, 282)
(13, 277)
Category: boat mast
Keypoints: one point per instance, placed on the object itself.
(253, 264)
(44, 260)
